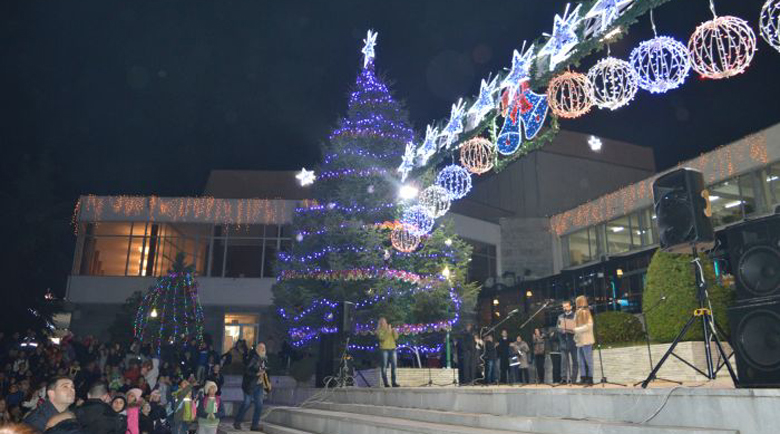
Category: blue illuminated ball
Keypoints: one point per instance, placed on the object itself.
(456, 180)
(661, 63)
(417, 220)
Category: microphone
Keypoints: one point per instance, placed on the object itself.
(513, 312)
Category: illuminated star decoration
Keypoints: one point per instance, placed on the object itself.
(563, 38)
(428, 148)
(305, 177)
(454, 127)
(485, 102)
(521, 65)
(368, 49)
(603, 14)
(407, 162)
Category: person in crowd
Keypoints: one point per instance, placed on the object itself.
(210, 409)
(584, 339)
(157, 413)
(145, 421)
(134, 403)
(491, 360)
(216, 376)
(96, 416)
(466, 355)
(60, 394)
(150, 371)
(568, 348)
(5, 415)
(539, 354)
(387, 337)
(63, 423)
(503, 357)
(252, 386)
(522, 350)
(182, 408)
(119, 404)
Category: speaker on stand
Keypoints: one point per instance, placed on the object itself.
(754, 252)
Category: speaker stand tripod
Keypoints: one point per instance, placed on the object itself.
(704, 313)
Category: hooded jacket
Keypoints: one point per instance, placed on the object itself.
(97, 417)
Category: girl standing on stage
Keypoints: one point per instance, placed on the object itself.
(387, 336)
(584, 339)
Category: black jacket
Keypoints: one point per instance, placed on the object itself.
(253, 364)
(69, 426)
(38, 417)
(97, 417)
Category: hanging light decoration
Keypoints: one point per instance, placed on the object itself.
(403, 239)
(478, 155)
(417, 220)
(436, 200)
(722, 47)
(569, 95)
(613, 83)
(770, 23)
(661, 64)
(456, 180)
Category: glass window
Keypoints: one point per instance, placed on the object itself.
(726, 202)
(483, 261)
(748, 193)
(618, 234)
(579, 247)
(271, 249)
(244, 257)
(772, 179)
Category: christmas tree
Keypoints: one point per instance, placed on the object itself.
(344, 251)
(170, 312)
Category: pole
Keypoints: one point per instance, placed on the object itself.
(447, 350)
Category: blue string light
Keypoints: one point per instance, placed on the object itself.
(661, 64)
(456, 180)
(418, 219)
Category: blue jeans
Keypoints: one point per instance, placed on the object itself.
(491, 369)
(257, 397)
(585, 357)
(389, 356)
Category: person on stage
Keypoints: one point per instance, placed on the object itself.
(491, 360)
(568, 348)
(584, 339)
(467, 355)
(387, 336)
(521, 351)
(539, 355)
(503, 357)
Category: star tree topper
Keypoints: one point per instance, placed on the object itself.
(305, 177)
(407, 162)
(368, 48)
(604, 13)
(563, 38)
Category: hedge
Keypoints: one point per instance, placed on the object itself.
(617, 328)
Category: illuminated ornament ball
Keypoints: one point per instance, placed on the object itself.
(661, 64)
(722, 47)
(403, 239)
(436, 200)
(456, 180)
(478, 155)
(569, 95)
(770, 23)
(417, 220)
(613, 83)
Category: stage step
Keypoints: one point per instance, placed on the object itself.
(333, 422)
(512, 423)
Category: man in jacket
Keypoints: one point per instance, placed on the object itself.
(60, 394)
(63, 423)
(568, 347)
(251, 384)
(96, 416)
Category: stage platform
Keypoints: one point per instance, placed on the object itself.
(701, 408)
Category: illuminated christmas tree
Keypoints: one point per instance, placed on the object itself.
(170, 312)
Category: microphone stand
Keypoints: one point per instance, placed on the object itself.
(647, 340)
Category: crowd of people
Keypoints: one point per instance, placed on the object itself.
(84, 386)
(502, 360)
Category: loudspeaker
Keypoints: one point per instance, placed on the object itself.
(754, 255)
(345, 318)
(682, 210)
(755, 334)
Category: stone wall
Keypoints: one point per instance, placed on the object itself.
(410, 377)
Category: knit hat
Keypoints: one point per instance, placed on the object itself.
(209, 385)
(137, 392)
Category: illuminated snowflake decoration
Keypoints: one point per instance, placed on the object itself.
(613, 83)
(770, 23)
(456, 180)
(485, 102)
(368, 48)
(722, 47)
(305, 177)
(436, 200)
(570, 95)
(417, 220)
(563, 38)
(661, 64)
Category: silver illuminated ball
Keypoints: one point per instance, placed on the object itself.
(722, 47)
(770, 23)
(613, 83)
(436, 200)
(661, 64)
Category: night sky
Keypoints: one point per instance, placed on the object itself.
(146, 97)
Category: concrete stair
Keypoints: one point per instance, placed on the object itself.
(334, 418)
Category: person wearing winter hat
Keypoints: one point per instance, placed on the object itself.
(134, 403)
(209, 409)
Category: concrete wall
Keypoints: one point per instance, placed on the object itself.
(527, 244)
